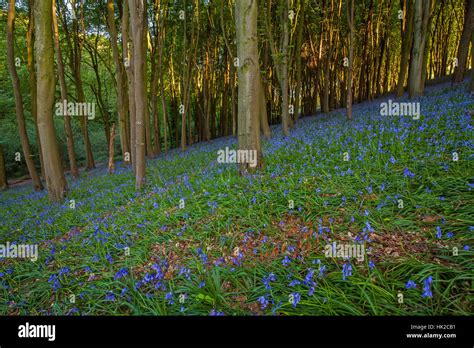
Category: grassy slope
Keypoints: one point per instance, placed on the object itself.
(237, 248)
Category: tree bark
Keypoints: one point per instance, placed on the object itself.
(407, 40)
(129, 67)
(3, 172)
(30, 43)
(420, 24)
(120, 79)
(471, 87)
(111, 165)
(55, 180)
(138, 23)
(248, 73)
(20, 116)
(350, 19)
(463, 48)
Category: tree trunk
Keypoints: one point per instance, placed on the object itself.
(299, 42)
(463, 48)
(30, 43)
(111, 166)
(20, 116)
(62, 82)
(407, 40)
(248, 73)
(285, 116)
(420, 24)
(350, 19)
(263, 111)
(138, 23)
(3, 172)
(472, 63)
(55, 180)
(129, 67)
(120, 80)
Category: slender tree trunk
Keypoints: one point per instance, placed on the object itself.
(407, 40)
(111, 166)
(162, 87)
(263, 111)
(463, 48)
(138, 23)
(55, 180)
(427, 30)
(471, 86)
(120, 80)
(421, 17)
(77, 47)
(154, 92)
(299, 42)
(30, 43)
(284, 70)
(62, 82)
(3, 172)
(147, 124)
(129, 67)
(20, 116)
(248, 73)
(350, 19)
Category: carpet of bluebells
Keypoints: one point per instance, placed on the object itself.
(237, 248)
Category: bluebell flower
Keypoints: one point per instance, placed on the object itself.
(322, 269)
(439, 235)
(346, 270)
(263, 302)
(109, 258)
(408, 173)
(296, 299)
(410, 284)
(427, 287)
(121, 273)
(216, 313)
(169, 297)
(266, 280)
(294, 282)
(110, 296)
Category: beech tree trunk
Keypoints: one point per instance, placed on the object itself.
(120, 79)
(248, 73)
(407, 40)
(420, 26)
(137, 16)
(350, 20)
(111, 165)
(55, 180)
(3, 172)
(20, 116)
(30, 44)
(463, 47)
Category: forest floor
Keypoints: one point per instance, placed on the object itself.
(237, 248)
